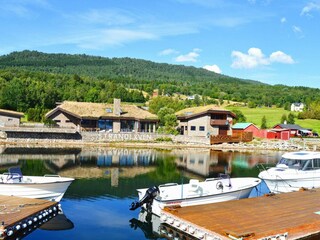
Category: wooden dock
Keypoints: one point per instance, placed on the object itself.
(293, 215)
(20, 214)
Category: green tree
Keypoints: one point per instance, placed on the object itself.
(264, 123)
(283, 118)
(291, 118)
(162, 113)
(197, 100)
(240, 116)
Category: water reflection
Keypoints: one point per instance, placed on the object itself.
(152, 227)
(58, 223)
(202, 162)
(107, 179)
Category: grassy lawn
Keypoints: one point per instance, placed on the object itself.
(273, 116)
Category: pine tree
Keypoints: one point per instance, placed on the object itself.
(264, 123)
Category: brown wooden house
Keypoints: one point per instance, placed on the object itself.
(114, 117)
(205, 121)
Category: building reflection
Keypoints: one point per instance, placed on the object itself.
(117, 162)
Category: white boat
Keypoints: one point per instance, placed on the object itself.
(211, 190)
(294, 171)
(49, 187)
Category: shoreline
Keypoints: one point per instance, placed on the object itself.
(274, 145)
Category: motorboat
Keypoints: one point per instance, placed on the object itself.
(294, 171)
(49, 187)
(196, 192)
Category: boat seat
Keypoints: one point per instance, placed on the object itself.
(194, 185)
(14, 173)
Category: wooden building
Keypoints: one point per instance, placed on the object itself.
(240, 128)
(282, 134)
(114, 117)
(294, 128)
(10, 118)
(205, 121)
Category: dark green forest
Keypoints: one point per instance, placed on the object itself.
(32, 81)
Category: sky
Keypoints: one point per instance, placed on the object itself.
(271, 41)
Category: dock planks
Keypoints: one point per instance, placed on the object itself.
(297, 213)
(14, 210)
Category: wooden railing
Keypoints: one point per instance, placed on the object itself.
(236, 138)
(219, 122)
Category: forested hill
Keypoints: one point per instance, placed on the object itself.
(111, 68)
(35, 80)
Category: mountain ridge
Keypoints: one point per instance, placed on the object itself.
(102, 66)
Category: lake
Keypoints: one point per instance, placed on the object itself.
(96, 205)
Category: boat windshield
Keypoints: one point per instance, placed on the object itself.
(294, 163)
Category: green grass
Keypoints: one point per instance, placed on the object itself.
(273, 116)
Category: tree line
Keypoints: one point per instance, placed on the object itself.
(33, 82)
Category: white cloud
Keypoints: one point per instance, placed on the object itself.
(213, 68)
(107, 17)
(99, 39)
(189, 57)
(281, 57)
(256, 58)
(168, 51)
(283, 20)
(22, 8)
(311, 6)
(253, 59)
(296, 29)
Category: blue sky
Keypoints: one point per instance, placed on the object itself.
(272, 41)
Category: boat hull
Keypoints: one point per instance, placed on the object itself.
(294, 171)
(52, 190)
(158, 205)
(206, 193)
(279, 185)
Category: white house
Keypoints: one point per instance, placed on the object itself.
(297, 107)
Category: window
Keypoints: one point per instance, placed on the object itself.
(193, 128)
(201, 128)
(186, 128)
(316, 163)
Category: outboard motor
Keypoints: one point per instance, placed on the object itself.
(147, 199)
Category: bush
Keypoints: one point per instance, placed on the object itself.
(164, 139)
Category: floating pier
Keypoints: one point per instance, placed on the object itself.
(19, 216)
(294, 215)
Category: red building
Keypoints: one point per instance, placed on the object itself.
(239, 128)
(283, 134)
(294, 128)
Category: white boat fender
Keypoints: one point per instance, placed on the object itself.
(18, 227)
(191, 230)
(29, 221)
(9, 232)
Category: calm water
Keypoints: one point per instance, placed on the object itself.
(96, 205)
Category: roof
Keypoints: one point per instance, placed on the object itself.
(289, 126)
(302, 155)
(101, 110)
(195, 111)
(278, 130)
(241, 125)
(11, 113)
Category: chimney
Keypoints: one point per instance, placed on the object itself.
(116, 106)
